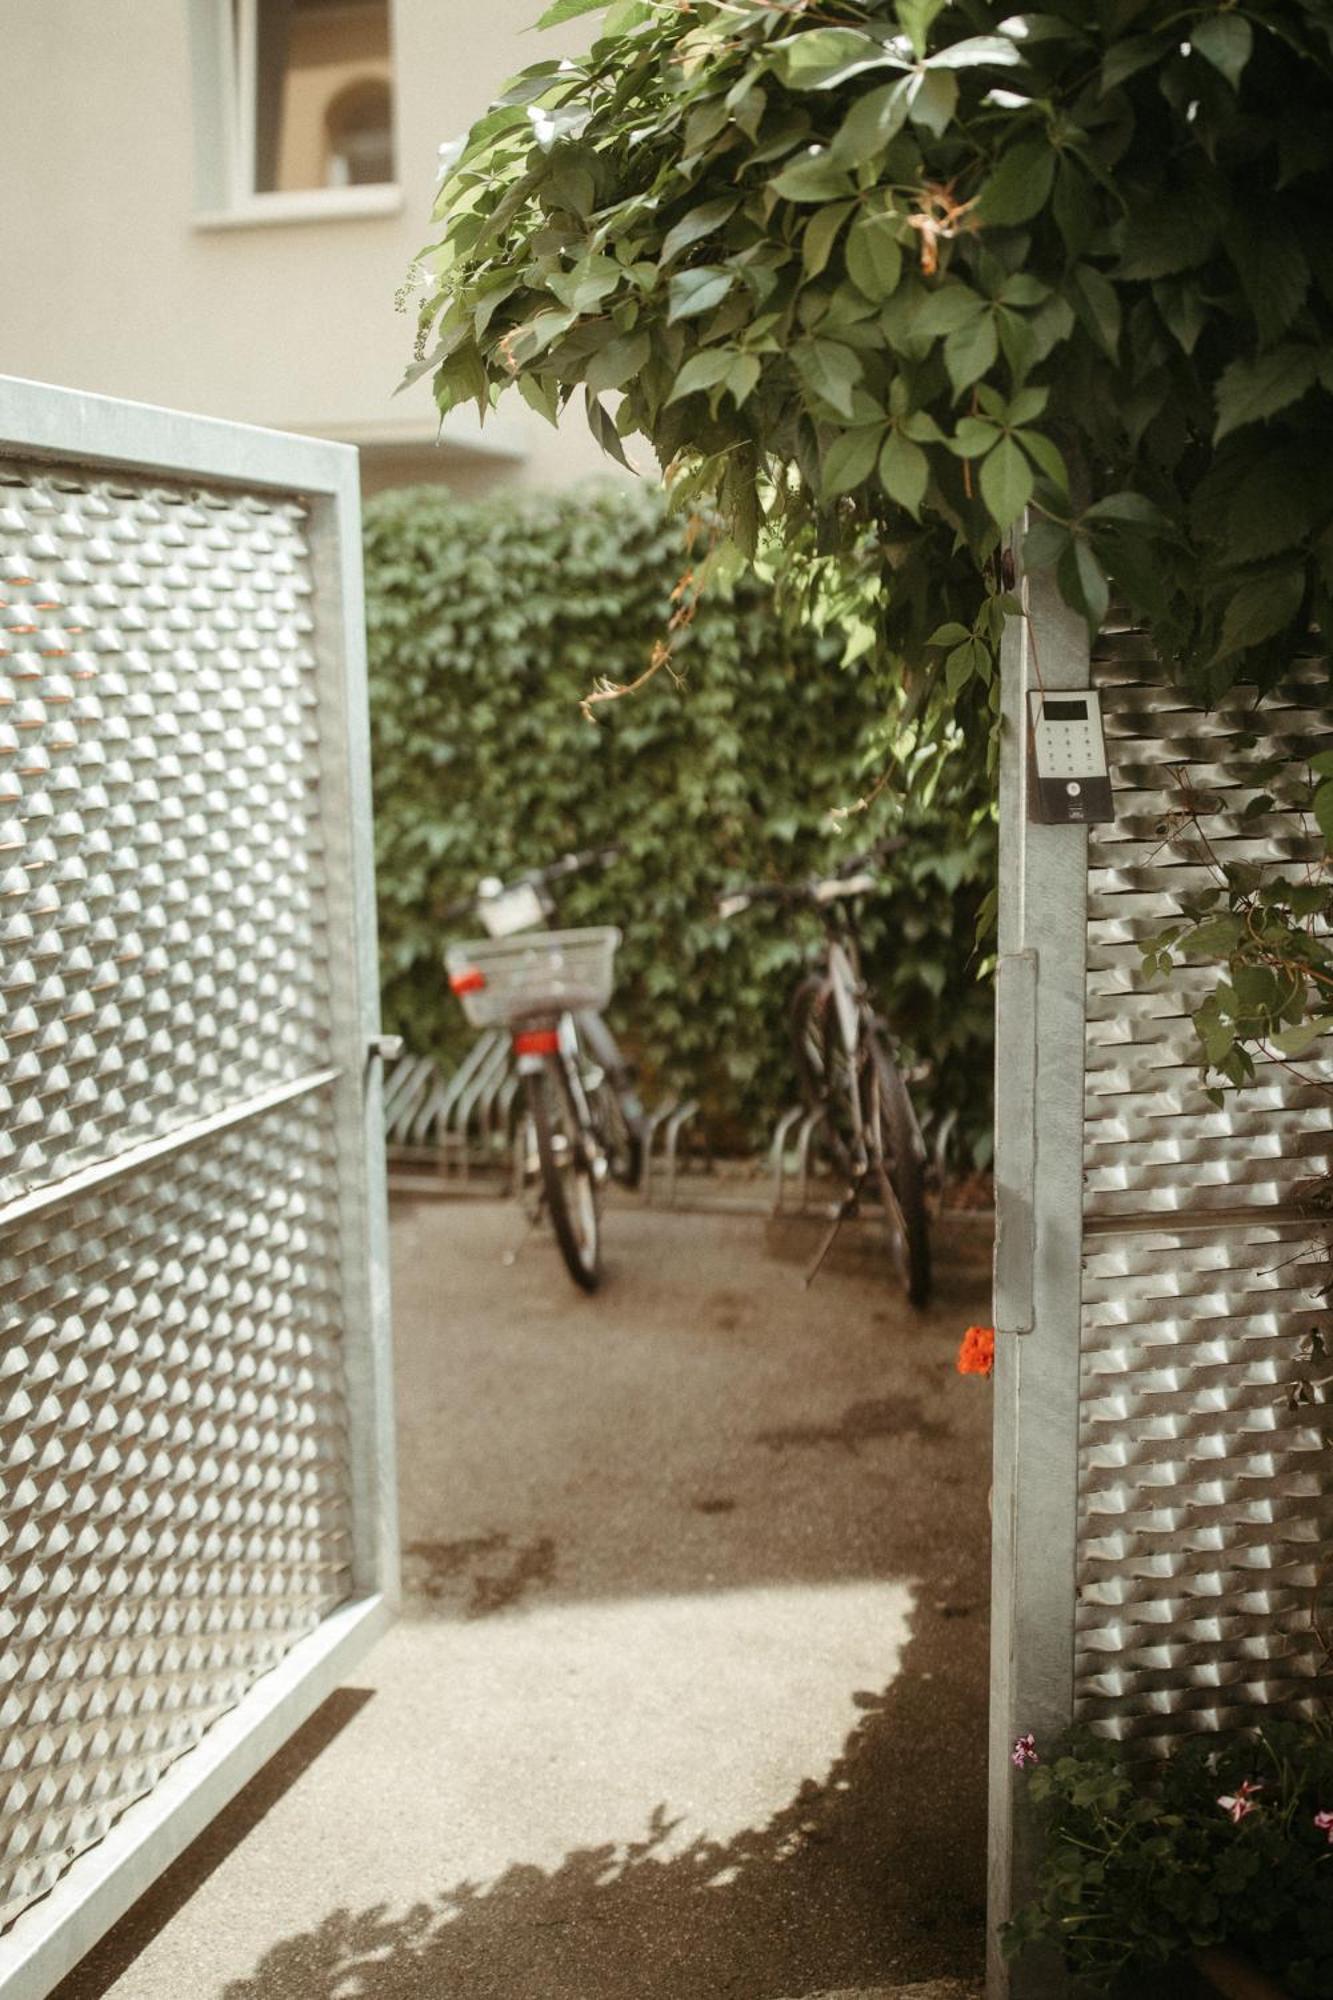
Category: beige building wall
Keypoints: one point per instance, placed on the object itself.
(118, 281)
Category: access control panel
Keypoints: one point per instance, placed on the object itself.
(1072, 784)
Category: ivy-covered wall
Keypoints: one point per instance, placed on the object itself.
(487, 625)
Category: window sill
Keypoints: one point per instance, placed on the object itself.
(306, 205)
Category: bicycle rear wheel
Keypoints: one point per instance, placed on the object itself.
(824, 1070)
(891, 1131)
(613, 1104)
(569, 1173)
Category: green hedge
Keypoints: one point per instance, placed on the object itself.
(487, 623)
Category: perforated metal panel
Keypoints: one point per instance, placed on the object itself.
(191, 1398)
(162, 931)
(1204, 1497)
(173, 1432)
(1161, 1510)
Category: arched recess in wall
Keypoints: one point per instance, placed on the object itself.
(358, 134)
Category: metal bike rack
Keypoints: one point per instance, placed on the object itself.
(674, 1123)
(805, 1124)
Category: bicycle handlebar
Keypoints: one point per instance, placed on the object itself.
(537, 878)
(819, 889)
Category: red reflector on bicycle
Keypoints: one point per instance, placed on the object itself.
(536, 1042)
(470, 981)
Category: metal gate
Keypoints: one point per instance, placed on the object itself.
(196, 1531)
(1159, 1505)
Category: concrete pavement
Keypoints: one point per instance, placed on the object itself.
(689, 1699)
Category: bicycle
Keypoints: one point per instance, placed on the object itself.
(582, 1117)
(525, 903)
(848, 1073)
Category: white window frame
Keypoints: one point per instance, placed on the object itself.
(223, 65)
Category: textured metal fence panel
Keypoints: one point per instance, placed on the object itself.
(1203, 1496)
(173, 1430)
(193, 1417)
(161, 874)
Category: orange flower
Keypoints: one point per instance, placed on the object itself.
(976, 1356)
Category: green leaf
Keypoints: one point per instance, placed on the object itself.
(1134, 508)
(743, 377)
(872, 122)
(1226, 41)
(850, 459)
(831, 370)
(958, 669)
(1006, 482)
(821, 232)
(1270, 508)
(974, 437)
(821, 58)
(1181, 304)
(1097, 303)
(904, 472)
(603, 428)
(1299, 1041)
(874, 256)
(1262, 607)
(618, 362)
(813, 177)
(1214, 939)
(1026, 406)
(1082, 580)
(691, 228)
(990, 51)
(933, 99)
(1273, 268)
(1022, 289)
(568, 10)
(952, 306)
(921, 427)
(1045, 544)
(1126, 58)
(1249, 391)
(703, 371)
(697, 291)
(970, 350)
(1020, 184)
(951, 634)
(1046, 456)
(915, 18)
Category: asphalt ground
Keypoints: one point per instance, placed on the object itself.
(688, 1701)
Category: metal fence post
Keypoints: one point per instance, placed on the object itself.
(1039, 1196)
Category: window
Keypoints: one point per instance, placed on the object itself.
(358, 135)
(303, 118)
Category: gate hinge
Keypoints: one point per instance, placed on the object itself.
(384, 1048)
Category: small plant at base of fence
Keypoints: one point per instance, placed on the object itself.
(1226, 1842)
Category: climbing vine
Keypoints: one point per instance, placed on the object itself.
(880, 280)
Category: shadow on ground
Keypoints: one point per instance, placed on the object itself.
(704, 1433)
(776, 1912)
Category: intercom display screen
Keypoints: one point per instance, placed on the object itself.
(1064, 711)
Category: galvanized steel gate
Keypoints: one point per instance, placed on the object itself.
(195, 1445)
(1160, 1510)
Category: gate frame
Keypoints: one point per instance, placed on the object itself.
(1041, 1007)
(69, 427)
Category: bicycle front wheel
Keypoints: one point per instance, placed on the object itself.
(824, 1070)
(895, 1146)
(569, 1173)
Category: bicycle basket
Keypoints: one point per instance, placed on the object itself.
(502, 980)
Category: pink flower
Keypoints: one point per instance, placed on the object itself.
(1024, 1752)
(1239, 1806)
(1324, 1821)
